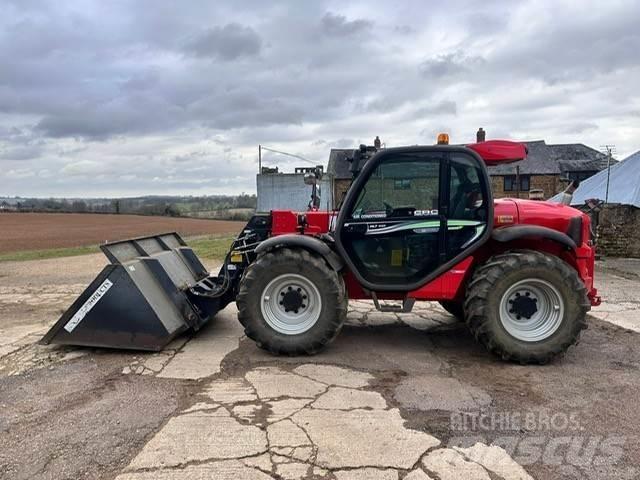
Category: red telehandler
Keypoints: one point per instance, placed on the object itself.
(418, 223)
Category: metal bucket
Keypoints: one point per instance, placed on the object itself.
(146, 297)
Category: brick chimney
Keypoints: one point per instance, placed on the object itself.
(377, 143)
(481, 135)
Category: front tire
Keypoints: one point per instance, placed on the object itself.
(291, 302)
(526, 306)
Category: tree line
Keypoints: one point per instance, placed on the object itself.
(215, 206)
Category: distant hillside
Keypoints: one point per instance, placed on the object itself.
(227, 207)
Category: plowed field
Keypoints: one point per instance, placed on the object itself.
(34, 231)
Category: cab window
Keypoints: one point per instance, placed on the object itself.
(406, 186)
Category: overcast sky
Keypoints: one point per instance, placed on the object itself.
(142, 97)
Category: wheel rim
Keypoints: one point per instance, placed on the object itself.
(291, 304)
(531, 310)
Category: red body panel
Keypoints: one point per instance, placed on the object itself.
(317, 222)
(447, 285)
(284, 221)
(545, 214)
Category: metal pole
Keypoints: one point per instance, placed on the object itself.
(518, 181)
(606, 196)
(259, 158)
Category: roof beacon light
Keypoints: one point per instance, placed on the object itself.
(443, 139)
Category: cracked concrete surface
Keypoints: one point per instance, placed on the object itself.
(200, 436)
(225, 469)
(495, 460)
(375, 405)
(447, 464)
(332, 431)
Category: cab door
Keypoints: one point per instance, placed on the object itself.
(410, 213)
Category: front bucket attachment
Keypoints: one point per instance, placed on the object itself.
(142, 300)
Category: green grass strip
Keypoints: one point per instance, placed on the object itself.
(211, 247)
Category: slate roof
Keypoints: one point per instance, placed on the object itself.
(546, 159)
(624, 184)
(543, 159)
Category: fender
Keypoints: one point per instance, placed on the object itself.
(302, 241)
(507, 234)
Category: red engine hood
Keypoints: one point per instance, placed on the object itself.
(531, 212)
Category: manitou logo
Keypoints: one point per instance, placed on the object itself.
(88, 305)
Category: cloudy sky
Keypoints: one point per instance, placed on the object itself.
(166, 97)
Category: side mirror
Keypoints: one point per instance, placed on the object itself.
(310, 179)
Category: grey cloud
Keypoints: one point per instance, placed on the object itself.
(450, 64)
(128, 115)
(227, 43)
(26, 152)
(124, 84)
(403, 29)
(142, 81)
(339, 143)
(575, 50)
(445, 107)
(19, 144)
(581, 127)
(338, 25)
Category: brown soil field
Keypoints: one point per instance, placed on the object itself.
(34, 231)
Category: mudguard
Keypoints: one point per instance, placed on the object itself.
(306, 242)
(506, 234)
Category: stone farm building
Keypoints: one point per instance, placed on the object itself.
(547, 168)
(338, 170)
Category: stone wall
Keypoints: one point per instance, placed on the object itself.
(549, 184)
(619, 231)
(340, 187)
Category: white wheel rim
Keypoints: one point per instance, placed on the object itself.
(531, 310)
(279, 298)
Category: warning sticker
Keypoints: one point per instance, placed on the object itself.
(396, 258)
(88, 305)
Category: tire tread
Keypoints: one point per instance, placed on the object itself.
(331, 281)
(483, 284)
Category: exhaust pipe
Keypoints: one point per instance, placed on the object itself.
(567, 195)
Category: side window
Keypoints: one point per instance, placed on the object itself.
(468, 208)
(465, 191)
(404, 187)
(509, 183)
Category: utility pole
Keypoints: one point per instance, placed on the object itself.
(259, 158)
(609, 149)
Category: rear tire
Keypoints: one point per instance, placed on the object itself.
(289, 323)
(454, 308)
(526, 306)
